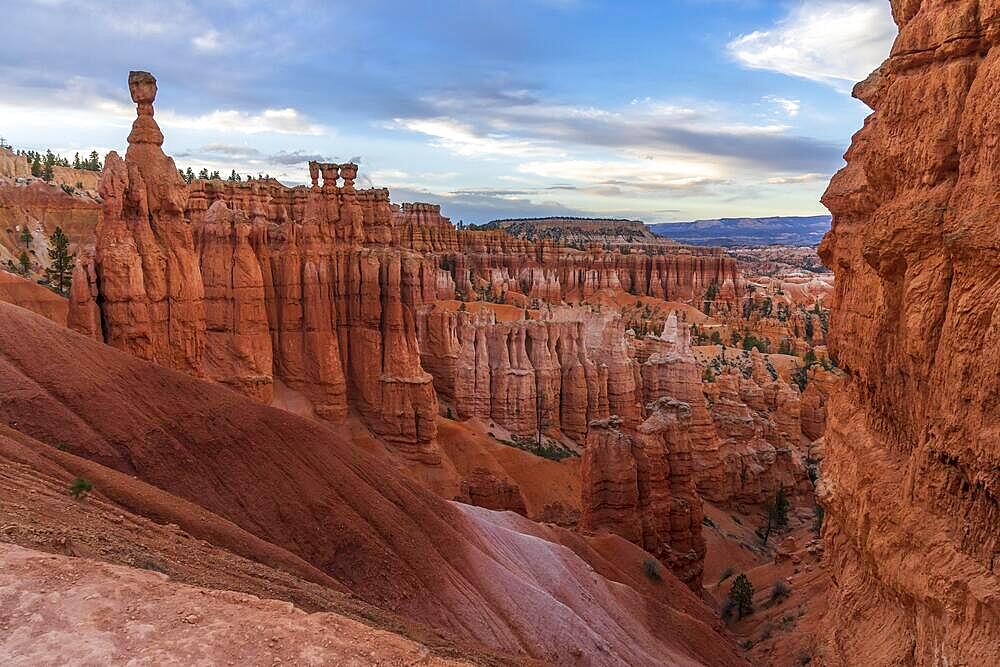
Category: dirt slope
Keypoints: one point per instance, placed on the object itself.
(77, 611)
(297, 496)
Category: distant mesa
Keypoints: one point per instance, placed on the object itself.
(778, 230)
(570, 230)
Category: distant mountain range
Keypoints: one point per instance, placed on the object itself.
(779, 230)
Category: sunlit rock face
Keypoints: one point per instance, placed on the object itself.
(910, 481)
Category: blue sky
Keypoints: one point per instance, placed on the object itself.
(659, 110)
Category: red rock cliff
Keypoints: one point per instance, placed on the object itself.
(911, 484)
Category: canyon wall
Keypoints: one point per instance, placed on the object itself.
(910, 481)
(209, 281)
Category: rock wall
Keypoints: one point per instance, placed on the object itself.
(255, 284)
(910, 481)
(637, 484)
(41, 207)
(13, 165)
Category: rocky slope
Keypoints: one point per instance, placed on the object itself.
(168, 623)
(910, 474)
(26, 294)
(180, 450)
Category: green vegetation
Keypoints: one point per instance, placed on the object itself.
(60, 271)
(80, 488)
(546, 449)
(43, 164)
(750, 342)
(777, 515)
(741, 596)
(710, 295)
(26, 237)
(205, 175)
(652, 570)
(24, 263)
(779, 591)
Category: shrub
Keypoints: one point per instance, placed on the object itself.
(707, 521)
(801, 377)
(652, 570)
(80, 488)
(741, 595)
(68, 189)
(779, 591)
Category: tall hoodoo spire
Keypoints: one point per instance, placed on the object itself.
(142, 86)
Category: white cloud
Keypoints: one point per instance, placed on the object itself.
(79, 104)
(274, 121)
(629, 175)
(835, 42)
(790, 107)
(207, 41)
(798, 178)
(463, 139)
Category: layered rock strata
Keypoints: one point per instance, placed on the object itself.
(910, 481)
(637, 484)
(257, 286)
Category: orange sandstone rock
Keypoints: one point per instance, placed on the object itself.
(910, 480)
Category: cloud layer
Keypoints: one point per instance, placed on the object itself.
(835, 42)
(477, 105)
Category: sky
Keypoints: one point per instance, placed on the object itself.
(658, 110)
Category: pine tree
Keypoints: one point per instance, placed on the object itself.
(203, 174)
(60, 271)
(777, 515)
(47, 172)
(25, 236)
(189, 174)
(25, 263)
(76, 160)
(36, 167)
(741, 595)
(95, 161)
